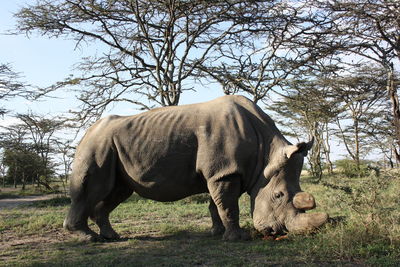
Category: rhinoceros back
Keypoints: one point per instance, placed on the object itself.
(169, 153)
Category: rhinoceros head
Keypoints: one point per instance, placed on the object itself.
(278, 204)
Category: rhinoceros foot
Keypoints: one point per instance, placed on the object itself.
(236, 235)
(83, 232)
(109, 234)
(85, 235)
(217, 230)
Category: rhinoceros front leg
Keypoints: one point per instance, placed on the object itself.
(225, 193)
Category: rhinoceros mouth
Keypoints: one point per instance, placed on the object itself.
(275, 230)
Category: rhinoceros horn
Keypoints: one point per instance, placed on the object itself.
(304, 201)
(304, 222)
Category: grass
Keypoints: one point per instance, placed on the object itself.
(366, 232)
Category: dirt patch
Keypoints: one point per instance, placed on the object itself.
(10, 203)
(10, 239)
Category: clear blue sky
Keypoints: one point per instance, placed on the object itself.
(39, 60)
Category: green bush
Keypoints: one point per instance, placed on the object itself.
(349, 168)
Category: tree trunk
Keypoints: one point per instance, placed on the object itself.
(344, 139)
(4, 178)
(392, 92)
(357, 143)
(15, 178)
(315, 157)
(23, 180)
(389, 158)
(327, 149)
(15, 173)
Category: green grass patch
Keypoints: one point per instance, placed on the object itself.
(54, 202)
(364, 231)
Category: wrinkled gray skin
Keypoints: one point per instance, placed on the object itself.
(225, 147)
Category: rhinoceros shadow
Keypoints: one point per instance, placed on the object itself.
(206, 235)
(176, 236)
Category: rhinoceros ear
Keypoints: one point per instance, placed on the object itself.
(299, 148)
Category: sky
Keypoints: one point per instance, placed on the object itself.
(39, 60)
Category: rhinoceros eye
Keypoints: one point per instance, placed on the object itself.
(278, 195)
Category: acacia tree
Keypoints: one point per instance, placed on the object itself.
(150, 49)
(66, 151)
(308, 109)
(279, 46)
(360, 93)
(379, 131)
(42, 132)
(12, 144)
(370, 29)
(20, 161)
(23, 164)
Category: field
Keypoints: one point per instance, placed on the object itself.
(364, 230)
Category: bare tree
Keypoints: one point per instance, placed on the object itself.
(66, 150)
(279, 46)
(149, 48)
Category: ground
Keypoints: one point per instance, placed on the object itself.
(15, 202)
(178, 233)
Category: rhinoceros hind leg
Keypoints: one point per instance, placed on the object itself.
(217, 225)
(84, 198)
(84, 233)
(102, 211)
(76, 222)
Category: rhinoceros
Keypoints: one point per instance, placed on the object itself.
(224, 147)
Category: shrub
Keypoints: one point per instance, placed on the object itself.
(373, 202)
(349, 168)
